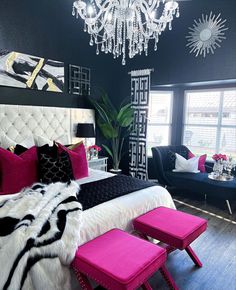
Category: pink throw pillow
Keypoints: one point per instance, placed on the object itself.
(18, 172)
(78, 160)
(201, 162)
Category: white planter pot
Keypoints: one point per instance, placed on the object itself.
(116, 171)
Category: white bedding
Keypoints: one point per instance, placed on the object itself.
(116, 213)
(119, 212)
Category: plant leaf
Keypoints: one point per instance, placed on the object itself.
(108, 130)
(108, 150)
(125, 116)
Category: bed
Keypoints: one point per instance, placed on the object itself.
(116, 213)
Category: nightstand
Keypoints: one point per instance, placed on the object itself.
(99, 163)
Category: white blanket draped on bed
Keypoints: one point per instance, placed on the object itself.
(39, 234)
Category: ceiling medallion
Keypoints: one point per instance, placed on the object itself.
(206, 34)
(125, 27)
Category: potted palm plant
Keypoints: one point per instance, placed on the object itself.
(115, 125)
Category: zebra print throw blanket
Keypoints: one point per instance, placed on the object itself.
(39, 235)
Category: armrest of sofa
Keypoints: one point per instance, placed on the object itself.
(209, 166)
(158, 165)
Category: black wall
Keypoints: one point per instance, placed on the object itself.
(47, 29)
(172, 62)
(174, 65)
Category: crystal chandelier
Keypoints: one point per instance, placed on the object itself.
(124, 27)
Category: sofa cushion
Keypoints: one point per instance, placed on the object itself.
(186, 165)
(201, 162)
(200, 183)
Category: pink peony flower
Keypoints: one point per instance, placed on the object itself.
(95, 147)
(219, 156)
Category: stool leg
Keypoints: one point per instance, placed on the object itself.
(193, 256)
(143, 236)
(169, 280)
(146, 286)
(83, 281)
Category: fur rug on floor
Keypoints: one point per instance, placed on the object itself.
(39, 235)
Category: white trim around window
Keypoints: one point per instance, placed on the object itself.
(212, 124)
(159, 119)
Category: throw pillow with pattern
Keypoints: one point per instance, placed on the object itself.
(55, 169)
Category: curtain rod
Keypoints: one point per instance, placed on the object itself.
(151, 70)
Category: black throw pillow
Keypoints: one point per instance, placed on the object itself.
(184, 153)
(19, 149)
(54, 167)
(46, 149)
(171, 157)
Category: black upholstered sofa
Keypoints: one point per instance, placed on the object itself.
(197, 183)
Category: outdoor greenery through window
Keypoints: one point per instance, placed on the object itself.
(210, 121)
(159, 119)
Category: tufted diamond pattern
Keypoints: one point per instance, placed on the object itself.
(17, 122)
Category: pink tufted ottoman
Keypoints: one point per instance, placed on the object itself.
(175, 228)
(117, 260)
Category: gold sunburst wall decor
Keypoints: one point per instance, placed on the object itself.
(206, 34)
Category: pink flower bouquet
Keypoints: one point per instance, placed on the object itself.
(218, 157)
(94, 147)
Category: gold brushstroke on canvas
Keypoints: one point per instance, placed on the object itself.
(10, 60)
(35, 73)
(52, 87)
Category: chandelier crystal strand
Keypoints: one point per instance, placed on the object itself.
(125, 27)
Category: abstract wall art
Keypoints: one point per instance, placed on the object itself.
(26, 71)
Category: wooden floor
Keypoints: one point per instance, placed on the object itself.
(216, 248)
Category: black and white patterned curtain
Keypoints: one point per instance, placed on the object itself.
(140, 91)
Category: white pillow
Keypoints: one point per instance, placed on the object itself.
(186, 165)
(40, 141)
(63, 139)
(27, 142)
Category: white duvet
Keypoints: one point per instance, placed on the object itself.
(119, 212)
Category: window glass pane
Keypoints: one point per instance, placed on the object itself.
(200, 140)
(228, 141)
(202, 107)
(160, 107)
(157, 136)
(229, 108)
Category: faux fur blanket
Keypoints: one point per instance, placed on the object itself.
(39, 235)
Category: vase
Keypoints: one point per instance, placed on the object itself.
(218, 168)
(93, 154)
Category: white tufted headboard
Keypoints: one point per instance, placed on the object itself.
(18, 121)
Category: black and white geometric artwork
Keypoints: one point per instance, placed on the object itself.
(79, 80)
(140, 90)
(26, 71)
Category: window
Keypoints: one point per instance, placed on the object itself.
(159, 119)
(210, 121)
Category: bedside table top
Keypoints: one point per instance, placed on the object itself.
(100, 158)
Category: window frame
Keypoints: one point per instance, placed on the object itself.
(170, 121)
(219, 124)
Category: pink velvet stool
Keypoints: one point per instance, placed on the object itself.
(117, 260)
(172, 227)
